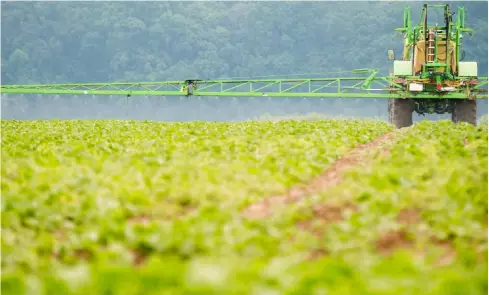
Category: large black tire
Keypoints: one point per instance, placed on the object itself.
(389, 106)
(465, 111)
(401, 112)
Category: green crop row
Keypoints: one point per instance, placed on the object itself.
(426, 198)
(117, 207)
(77, 191)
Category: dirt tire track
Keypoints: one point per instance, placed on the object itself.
(331, 177)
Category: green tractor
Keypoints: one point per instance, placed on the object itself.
(431, 72)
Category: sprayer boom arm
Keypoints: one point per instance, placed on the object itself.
(369, 86)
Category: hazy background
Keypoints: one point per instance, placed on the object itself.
(76, 42)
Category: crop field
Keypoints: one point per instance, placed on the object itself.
(259, 207)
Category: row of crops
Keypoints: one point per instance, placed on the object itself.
(138, 207)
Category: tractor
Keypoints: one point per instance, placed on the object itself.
(432, 72)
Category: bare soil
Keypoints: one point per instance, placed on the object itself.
(409, 216)
(325, 214)
(393, 240)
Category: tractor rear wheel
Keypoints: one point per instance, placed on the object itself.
(465, 111)
(401, 112)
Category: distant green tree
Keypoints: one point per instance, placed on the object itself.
(52, 42)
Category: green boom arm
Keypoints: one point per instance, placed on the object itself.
(350, 87)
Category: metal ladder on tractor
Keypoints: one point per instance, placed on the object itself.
(431, 47)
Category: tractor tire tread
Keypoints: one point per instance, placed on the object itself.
(401, 112)
(465, 111)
